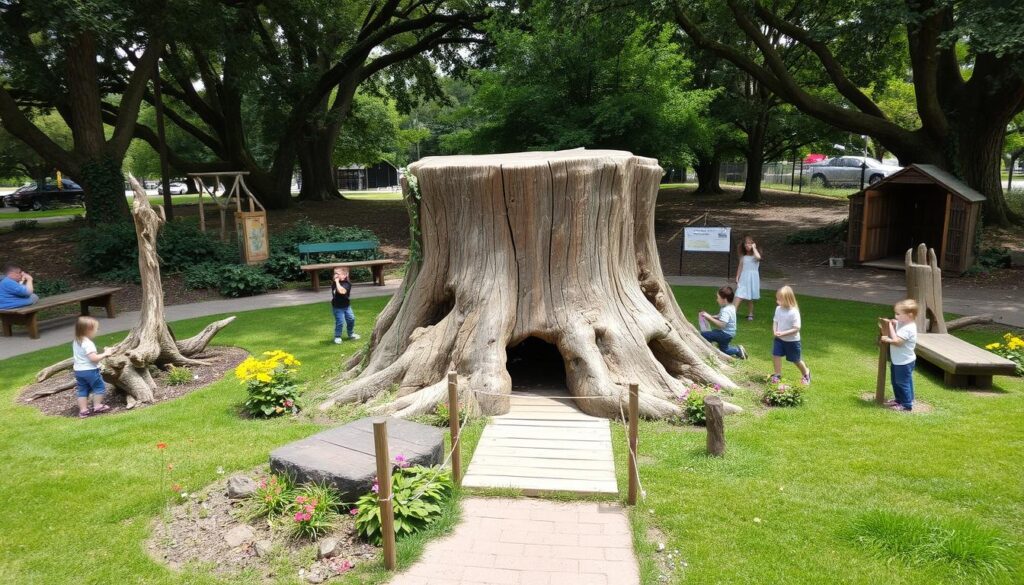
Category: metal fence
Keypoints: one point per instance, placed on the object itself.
(785, 175)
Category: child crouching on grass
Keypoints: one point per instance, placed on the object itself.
(725, 323)
(786, 326)
(902, 339)
(87, 369)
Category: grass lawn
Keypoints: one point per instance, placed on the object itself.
(60, 212)
(844, 492)
(81, 495)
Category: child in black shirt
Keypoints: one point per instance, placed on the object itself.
(341, 304)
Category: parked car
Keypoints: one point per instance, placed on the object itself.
(176, 189)
(150, 184)
(846, 170)
(32, 196)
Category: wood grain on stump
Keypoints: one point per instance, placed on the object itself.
(554, 245)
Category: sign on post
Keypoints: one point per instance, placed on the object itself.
(253, 239)
(707, 239)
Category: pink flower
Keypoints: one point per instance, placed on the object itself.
(309, 508)
(354, 511)
(401, 461)
(298, 516)
(289, 403)
(375, 488)
(300, 500)
(342, 566)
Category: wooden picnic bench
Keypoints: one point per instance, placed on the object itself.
(88, 297)
(376, 266)
(964, 365)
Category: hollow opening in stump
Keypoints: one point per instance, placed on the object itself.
(535, 364)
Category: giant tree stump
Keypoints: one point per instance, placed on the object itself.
(554, 245)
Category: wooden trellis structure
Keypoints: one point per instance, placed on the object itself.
(251, 225)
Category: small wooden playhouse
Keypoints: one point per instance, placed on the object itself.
(921, 203)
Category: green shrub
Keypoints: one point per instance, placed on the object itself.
(305, 232)
(992, 259)
(778, 394)
(238, 280)
(176, 376)
(25, 225)
(417, 494)
(48, 288)
(273, 495)
(693, 405)
(111, 251)
(270, 383)
(439, 416)
(203, 276)
(284, 266)
(832, 233)
(182, 244)
(314, 511)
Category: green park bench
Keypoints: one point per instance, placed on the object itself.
(376, 266)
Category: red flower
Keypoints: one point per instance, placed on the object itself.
(161, 445)
(176, 488)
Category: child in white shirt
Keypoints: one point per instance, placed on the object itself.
(902, 340)
(87, 369)
(786, 327)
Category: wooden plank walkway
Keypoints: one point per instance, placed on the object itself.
(544, 444)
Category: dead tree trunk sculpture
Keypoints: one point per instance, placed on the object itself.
(554, 245)
(150, 342)
(924, 285)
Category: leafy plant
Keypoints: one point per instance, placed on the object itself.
(48, 288)
(439, 416)
(178, 375)
(1012, 349)
(417, 494)
(203, 276)
(242, 281)
(111, 249)
(24, 225)
(285, 266)
(273, 495)
(829, 234)
(993, 259)
(314, 511)
(778, 394)
(270, 383)
(693, 405)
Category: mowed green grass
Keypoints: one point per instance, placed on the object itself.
(835, 484)
(845, 492)
(79, 496)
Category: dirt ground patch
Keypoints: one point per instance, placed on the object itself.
(221, 360)
(209, 529)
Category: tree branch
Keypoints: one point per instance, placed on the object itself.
(131, 99)
(15, 122)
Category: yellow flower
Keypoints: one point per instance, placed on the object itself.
(993, 346)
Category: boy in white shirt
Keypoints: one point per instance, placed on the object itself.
(902, 340)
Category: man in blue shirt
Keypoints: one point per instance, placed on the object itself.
(16, 288)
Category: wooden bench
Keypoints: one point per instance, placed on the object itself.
(376, 266)
(964, 365)
(89, 297)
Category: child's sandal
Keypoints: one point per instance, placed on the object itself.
(85, 414)
(100, 408)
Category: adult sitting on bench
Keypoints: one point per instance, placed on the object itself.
(16, 288)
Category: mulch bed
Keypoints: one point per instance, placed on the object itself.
(193, 532)
(222, 360)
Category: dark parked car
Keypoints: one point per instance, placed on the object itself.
(32, 196)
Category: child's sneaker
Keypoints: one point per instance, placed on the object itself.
(354, 336)
(806, 380)
(774, 379)
(337, 340)
(743, 353)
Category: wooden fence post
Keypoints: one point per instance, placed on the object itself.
(453, 425)
(714, 420)
(883, 358)
(387, 509)
(634, 416)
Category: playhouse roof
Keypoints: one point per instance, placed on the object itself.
(916, 173)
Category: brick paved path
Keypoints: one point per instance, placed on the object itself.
(530, 542)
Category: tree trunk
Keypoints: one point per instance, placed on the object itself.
(103, 184)
(708, 171)
(553, 245)
(979, 148)
(755, 160)
(317, 168)
(150, 342)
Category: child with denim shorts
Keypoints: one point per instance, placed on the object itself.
(725, 325)
(902, 339)
(786, 326)
(88, 380)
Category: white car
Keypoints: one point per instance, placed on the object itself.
(176, 189)
(846, 170)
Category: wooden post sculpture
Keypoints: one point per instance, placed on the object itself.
(554, 245)
(883, 360)
(150, 342)
(924, 285)
(714, 422)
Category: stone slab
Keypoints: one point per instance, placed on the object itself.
(343, 457)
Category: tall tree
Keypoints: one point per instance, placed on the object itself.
(965, 99)
(18, 159)
(65, 54)
(296, 66)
